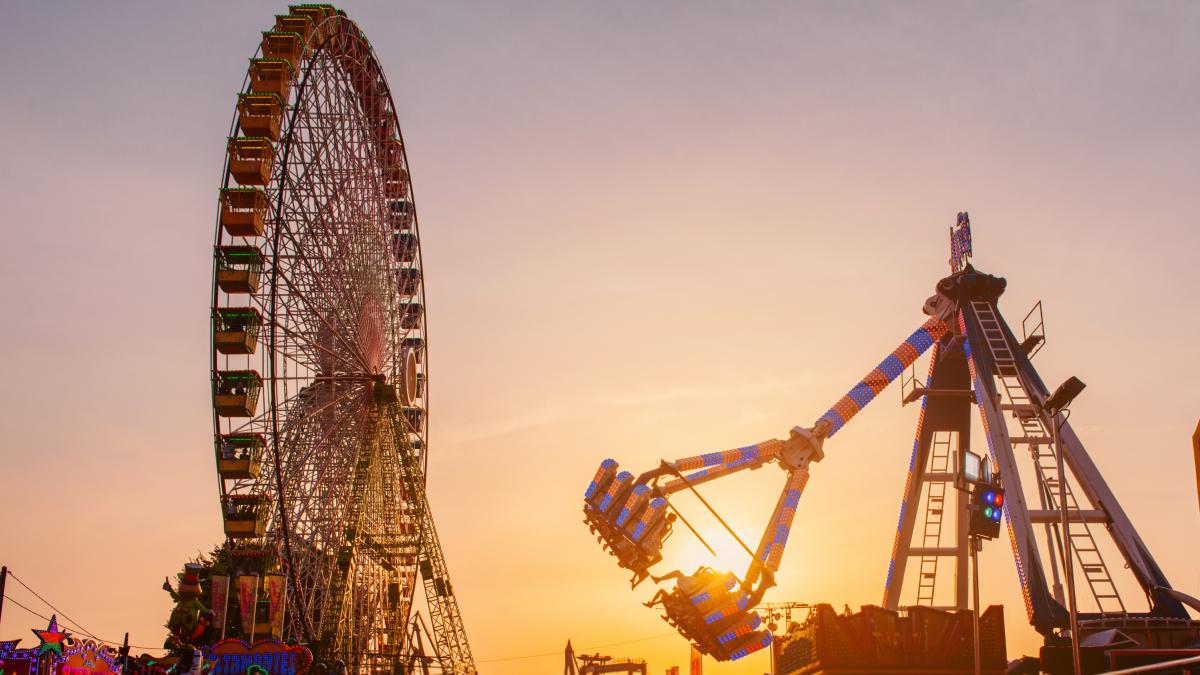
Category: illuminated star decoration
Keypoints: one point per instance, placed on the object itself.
(52, 638)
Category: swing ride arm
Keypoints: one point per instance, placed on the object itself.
(633, 517)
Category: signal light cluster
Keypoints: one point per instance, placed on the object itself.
(987, 510)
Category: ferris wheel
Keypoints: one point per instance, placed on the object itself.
(319, 366)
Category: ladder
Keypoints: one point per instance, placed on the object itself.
(1083, 545)
(1034, 435)
(935, 508)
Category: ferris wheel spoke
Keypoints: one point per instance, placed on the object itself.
(305, 193)
(329, 514)
(314, 347)
(301, 336)
(319, 315)
(335, 297)
(307, 474)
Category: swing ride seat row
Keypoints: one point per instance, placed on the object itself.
(712, 610)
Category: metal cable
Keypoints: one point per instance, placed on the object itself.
(49, 604)
(77, 628)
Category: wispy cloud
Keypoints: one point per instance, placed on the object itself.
(651, 403)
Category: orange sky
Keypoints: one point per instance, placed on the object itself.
(649, 232)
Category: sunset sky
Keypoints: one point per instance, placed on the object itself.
(650, 230)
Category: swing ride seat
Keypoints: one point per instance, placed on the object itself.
(712, 611)
(629, 521)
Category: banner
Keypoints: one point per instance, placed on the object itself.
(277, 595)
(220, 601)
(697, 662)
(247, 590)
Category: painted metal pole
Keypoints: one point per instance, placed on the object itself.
(3, 578)
(976, 544)
(1068, 546)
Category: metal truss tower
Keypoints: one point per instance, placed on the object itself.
(980, 362)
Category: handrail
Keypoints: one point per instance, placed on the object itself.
(1157, 667)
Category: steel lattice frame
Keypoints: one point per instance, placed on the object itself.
(342, 311)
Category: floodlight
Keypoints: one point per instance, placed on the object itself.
(1065, 393)
(972, 467)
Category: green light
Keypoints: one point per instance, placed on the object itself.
(987, 512)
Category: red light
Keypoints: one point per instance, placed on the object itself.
(999, 499)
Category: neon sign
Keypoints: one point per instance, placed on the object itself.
(90, 658)
(14, 661)
(265, 657)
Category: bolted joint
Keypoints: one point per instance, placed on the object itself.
(802, 446)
